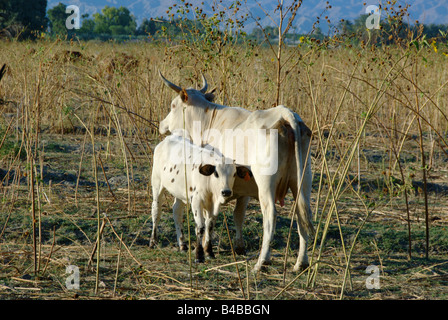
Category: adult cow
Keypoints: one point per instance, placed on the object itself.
(286, 140)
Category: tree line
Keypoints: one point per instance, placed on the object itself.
(24, 19)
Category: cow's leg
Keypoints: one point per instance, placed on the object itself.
(267, 203)
(178, 214)
(303, 208)
(239, 214)
(302, 259)
(155, 211)
(303, 211)
(197, 209)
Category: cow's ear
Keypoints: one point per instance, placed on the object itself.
(184, 95)
(244, 173)
(210, 96)
(207, 169)
(304, 129)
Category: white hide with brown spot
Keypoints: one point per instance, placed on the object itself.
(190, 173)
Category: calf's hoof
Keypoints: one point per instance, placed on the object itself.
(209, 254)
(199, 255)
(240, 251)
(199, 260)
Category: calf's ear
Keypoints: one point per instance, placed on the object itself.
(206, 169)
(244, 173)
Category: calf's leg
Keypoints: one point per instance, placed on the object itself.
(155, 212)
(196, 208)
(178, 214)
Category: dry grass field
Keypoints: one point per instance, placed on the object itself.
(79, 124)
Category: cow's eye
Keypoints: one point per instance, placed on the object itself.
(216, 174)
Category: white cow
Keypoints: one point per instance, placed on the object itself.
(203, 177)
(286, 141)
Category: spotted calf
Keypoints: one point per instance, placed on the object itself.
(193, 173)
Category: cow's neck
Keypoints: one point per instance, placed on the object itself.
(211, 119)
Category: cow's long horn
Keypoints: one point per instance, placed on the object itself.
(170, 84)
(204, 84)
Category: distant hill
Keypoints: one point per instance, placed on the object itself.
(425, 11)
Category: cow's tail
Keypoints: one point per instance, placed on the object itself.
(302, 201)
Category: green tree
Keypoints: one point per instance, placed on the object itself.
(346, 27)
(114, 21)
(87, 25)
(57, 17)
(148, 26)
(26, 18)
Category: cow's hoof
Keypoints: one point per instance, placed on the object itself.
(152, 244)
(261, 265)
(299, 267)
(183, 247)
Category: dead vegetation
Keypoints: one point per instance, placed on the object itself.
(77, 134)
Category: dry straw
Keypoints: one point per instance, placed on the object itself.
(359, 100)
